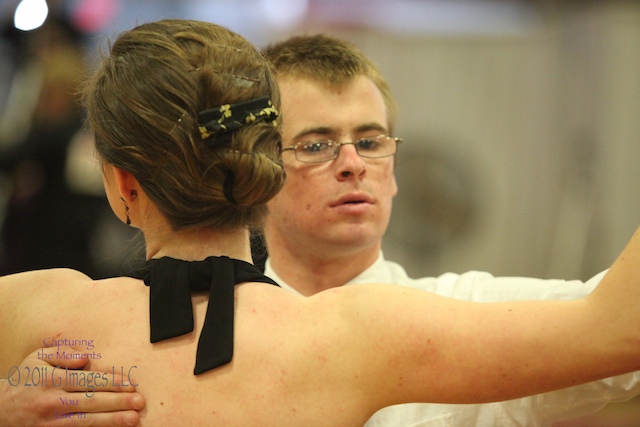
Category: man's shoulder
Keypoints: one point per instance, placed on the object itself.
(447, 284)
(391, 272)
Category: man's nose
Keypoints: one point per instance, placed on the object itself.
(349, 163)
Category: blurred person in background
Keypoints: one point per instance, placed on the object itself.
(54, 203)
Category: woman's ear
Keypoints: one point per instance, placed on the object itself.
(122, 190)
(126, 183)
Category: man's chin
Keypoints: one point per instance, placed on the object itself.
(353, 237)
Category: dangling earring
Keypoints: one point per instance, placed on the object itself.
(126, 210)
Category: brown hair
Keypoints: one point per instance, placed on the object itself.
(143, 103)
(328, 60)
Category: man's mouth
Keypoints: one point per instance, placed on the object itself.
(352, 200)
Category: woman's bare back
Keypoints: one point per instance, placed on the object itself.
(272, 379)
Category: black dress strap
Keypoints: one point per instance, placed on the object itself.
(171, 282)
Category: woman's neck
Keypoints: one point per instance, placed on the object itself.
(199, 243)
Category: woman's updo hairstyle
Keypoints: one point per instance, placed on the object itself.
(145, 103)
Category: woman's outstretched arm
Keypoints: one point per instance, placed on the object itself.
(405, 345)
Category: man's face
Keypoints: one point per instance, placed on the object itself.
(343, 204)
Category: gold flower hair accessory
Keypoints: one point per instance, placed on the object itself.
(228, 118)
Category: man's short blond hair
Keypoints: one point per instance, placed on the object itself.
(328, 60)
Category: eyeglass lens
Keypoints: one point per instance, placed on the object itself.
(372, 147)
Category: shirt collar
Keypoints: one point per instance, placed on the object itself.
(370, 275)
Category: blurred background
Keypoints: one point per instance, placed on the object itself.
(521, 122)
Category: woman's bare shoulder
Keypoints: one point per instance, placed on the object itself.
(47, 282)
(35, 302)
(65, 280)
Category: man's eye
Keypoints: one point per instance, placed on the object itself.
(314, 147)
(368, 144)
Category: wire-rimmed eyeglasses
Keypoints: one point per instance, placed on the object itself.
(371, 147)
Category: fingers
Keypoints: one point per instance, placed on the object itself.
(103, 409)
(124, 419)
(89, 381)
(98, 402)
(79, 419)
(57, 367)
(52, 407)
(55, 356)
(40, 392)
